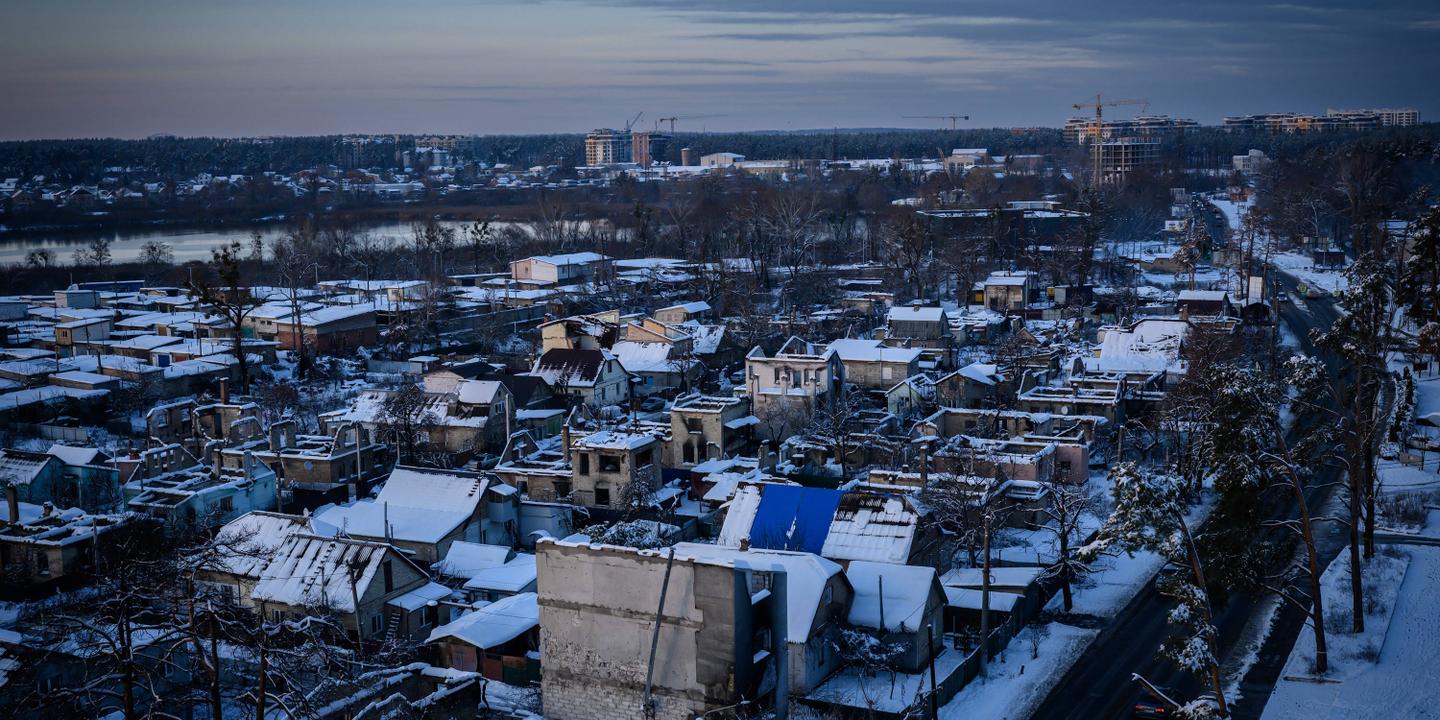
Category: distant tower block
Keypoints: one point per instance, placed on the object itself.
(687, 156)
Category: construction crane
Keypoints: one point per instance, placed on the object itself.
(632, 121)
(1098, 128)
(951, 118)
(672, 119)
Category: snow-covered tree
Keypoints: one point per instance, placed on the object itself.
(1149, 514)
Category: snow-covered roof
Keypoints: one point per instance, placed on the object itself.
(972, 599)
(464, 558)
(18, 467)
(72, 455)
(314, 571)
(495, 624)
(615, 440)
(637, 357)
(906, 593)
(512, 576)
(245, 545)
(914, 313)
(425, 488)
(858, 350)
(871, 527)
(693, 307)
(419, 504)
(478, 392)
(578, 258)
(984, 373)
(421, 596)
(705, 339)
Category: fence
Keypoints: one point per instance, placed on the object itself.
(58, 433)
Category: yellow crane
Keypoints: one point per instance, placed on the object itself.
(951, 118)
(1097, 129)
(672, 119)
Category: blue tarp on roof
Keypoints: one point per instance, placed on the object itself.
(794, 518)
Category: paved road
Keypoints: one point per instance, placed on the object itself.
(1099, 685)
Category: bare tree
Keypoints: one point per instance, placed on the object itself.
(830, 426)
(228, 296)
(1065, 516)
(408, 424)
(295, 264)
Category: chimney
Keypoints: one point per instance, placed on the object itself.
(47, 509)
(12, 501)
(224, 391)
(745, 543)
(925, 464)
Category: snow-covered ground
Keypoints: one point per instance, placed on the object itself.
(1018, 682)
(1016, 687)
(1389, 671)
(1234, 212)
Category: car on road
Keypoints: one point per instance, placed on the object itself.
(1167, 574)
(1282, 297)
(1151, 707)
(652, 404)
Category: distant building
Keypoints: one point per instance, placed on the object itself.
(721, 159)
(1251, 162)
(606, 146)
(1389, 117)
(1290, 122)
(1118, 157)
(569, 268)
(1082, 130)
(648, 148)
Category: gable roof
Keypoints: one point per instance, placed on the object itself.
(569, 367)
(465, 558)
(495, 624)
(830, 523)
(21, 467)
(806, 576)
(314, 571)
(907, 590)
(72, 455)
(478, 392)
(416, 504)
(915, 313)
(248, 543)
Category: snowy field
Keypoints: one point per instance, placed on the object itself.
(1389, 671)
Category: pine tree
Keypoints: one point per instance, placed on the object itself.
(1149, 514)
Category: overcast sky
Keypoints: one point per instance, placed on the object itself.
(71, 68)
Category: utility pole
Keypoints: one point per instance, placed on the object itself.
(934, 691)
(649, 705)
